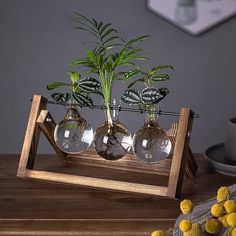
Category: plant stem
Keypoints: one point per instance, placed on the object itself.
(107, 81)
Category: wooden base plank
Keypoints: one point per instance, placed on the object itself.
(91, 182)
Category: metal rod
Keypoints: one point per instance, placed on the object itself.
(102, 107)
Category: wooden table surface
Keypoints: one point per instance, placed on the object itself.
(29, 207)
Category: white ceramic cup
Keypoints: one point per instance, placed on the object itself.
(230, 141)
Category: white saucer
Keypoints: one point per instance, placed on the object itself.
(218, 160)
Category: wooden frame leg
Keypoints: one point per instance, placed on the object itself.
(191, 165)
(32, 136)
(47, 125)
(180, 153)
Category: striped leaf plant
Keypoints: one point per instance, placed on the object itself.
(79, 90)
(149, 95)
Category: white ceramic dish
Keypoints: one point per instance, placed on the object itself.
(219, 161)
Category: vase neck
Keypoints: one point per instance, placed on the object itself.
(72, 113)
(112, 112)
(151, 116)
(115, 110)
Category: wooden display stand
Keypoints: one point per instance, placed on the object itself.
(181, 163)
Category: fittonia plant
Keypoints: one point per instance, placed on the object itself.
(79, 89)
(149, 96)
(109, 54)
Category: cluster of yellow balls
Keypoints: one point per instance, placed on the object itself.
(223, 214)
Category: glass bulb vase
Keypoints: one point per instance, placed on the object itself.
(73, 134)
(112, 139)
(151, 143)
(112, 142)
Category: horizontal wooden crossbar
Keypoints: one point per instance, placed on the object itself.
(92, 182)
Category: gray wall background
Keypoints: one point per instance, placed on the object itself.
(38, 40)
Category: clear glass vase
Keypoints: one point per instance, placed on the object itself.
(73, 134)
(151, 143)
(112, 140)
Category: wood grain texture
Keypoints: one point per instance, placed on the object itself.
(32, 135)
(95, 182)
(180, 154)
(47, 124)
(129, 162)
(191, 165)
(30, 207)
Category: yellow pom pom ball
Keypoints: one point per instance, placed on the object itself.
(223, 220)
(230, 206)
(185, 225)
(195, 230)
(222, 194)
(157, 233)
(212, 226)
(186, 206)
(232, 232)
(231, 219)
(217, 210)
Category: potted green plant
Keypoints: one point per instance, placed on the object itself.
(109, 56)
(74, 134)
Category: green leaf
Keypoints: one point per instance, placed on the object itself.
(163, 92)
(137, 80)
(95, 22)
(104, 28)
(82, 99)
(161, 67)
(83, 17)
(129, 74)
(131, 97)
(54, 85)
(89, 84)
(74, 76)
(99, 25)
(107, 33)
(160, 77)
(150, 95)
(60, 97)
(111, 39)
(136, 40)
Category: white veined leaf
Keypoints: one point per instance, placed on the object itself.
(61, 97)
(150, 95)
(163, 92)
(160, 77)
(131, 97)
(83, 99)
(89, 84)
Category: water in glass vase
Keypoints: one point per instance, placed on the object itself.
(151, 143)
(112, 140)
(73, 134)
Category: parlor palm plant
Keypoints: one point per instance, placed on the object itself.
(110, 52)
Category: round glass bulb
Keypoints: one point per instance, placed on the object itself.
(112, 142)
(73, 134)
(151, 143)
